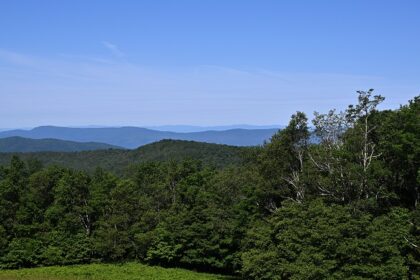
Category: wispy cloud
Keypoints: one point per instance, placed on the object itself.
(114, 49)
(78, 89)
(16, 58)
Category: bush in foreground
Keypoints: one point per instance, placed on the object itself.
(316, 241)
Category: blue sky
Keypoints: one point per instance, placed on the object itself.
(207, 62)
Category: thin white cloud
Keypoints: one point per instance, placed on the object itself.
(85, 90)
(113, 48)
(16, 58)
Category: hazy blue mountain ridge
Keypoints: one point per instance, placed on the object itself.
(196, 128)
(133, 137)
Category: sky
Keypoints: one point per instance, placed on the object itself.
(207, 62)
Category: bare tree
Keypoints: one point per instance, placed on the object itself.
(359, 117)
(330, 157)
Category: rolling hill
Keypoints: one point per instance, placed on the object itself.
(196, 128)
(118, 160)
(133, 137)
(20, 144)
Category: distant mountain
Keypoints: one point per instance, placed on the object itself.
(193, 128)
(119, 160)
(20, 144)
(133, 137)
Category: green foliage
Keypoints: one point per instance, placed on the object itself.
(22, 252)
(127, 271)
(117, 160)
(342, 207)
(398, 137)
(282, 162)
(317, 241)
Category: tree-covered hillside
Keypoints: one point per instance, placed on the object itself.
(346, 207)
(20, 144)
(118, 160)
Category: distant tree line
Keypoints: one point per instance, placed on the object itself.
(118, 161)
(344, 207)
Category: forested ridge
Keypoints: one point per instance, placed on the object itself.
(20, 144)
(346, 207)
(119, 160)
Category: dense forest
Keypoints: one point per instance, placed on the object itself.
(120, 160)
(343, 207)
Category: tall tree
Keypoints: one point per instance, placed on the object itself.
(282, 161)
(344, 159)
